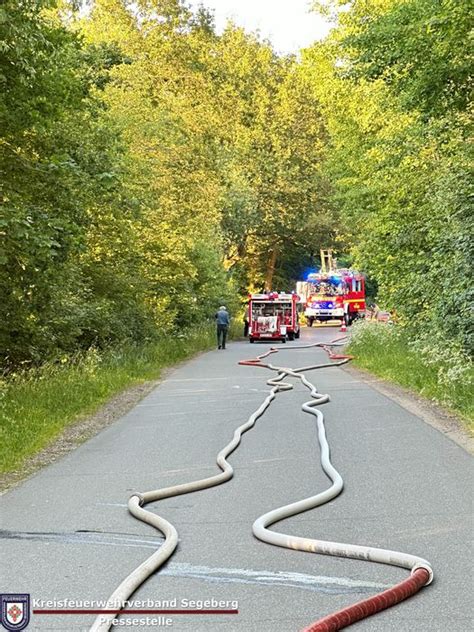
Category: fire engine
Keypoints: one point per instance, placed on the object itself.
(333, 293)
(273, 316)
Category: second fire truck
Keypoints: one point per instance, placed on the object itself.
(333, 293)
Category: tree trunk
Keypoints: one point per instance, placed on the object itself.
(270, 269)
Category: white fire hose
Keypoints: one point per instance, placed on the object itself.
(260, 527)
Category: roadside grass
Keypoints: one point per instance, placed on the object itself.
(444, 378)
(37, 405)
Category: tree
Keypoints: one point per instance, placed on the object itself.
(392, 79)
(58, 160)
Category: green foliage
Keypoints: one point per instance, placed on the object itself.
(418, 47)
(35, 406)
(61, 173)
(444, 375)
(151, 171)
(392, 80)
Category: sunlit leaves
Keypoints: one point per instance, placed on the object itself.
(392, 79)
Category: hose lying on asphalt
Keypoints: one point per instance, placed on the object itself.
(361, 610)
(421, 571)
(260, 530)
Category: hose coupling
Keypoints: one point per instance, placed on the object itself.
(141, 500)
(425, 567)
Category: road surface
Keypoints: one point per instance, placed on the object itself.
(67, 535)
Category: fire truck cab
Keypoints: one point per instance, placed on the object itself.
(273, 316)
(339, 295)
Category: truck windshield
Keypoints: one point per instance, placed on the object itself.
(327, 288)
(271, 309)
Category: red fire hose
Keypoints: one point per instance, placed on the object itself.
(372, 605)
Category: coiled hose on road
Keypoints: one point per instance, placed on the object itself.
(421, 572)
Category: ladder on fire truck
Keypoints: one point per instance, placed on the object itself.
(328, 262)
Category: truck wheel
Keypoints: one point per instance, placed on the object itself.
(310, 322)
(297, 335)
(291, 335)
(283, 340)
(251, 339)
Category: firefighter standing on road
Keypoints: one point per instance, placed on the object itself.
(223, 321)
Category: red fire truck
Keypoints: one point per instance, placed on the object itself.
(273, 316)
(333, 293)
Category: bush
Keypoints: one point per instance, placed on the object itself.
(437, 370)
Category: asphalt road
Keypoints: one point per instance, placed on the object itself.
(66, 532)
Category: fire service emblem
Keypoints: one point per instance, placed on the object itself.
(15, 611)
